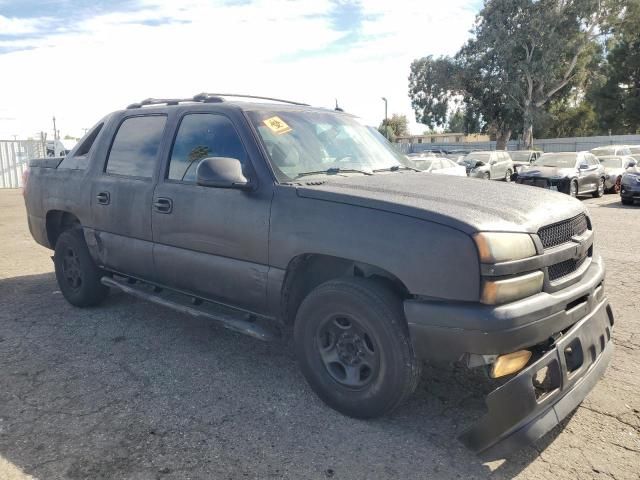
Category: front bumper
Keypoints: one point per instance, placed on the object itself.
(449, 331)
(630, 191)
(517, 416)
(555, 184)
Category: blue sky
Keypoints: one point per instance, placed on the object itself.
(102, 55)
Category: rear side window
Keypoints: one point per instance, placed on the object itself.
(203, 135)
(135, 148)
(78, 160)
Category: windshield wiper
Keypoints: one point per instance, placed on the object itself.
(334, 171)
(396, 168)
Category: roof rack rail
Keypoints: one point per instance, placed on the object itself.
(169, 101)
(205, 96)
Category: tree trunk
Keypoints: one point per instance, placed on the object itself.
(527, 130)
(502, 138)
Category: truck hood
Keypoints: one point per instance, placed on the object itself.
(467, 204)
(546, 172)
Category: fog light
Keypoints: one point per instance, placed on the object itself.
(510, 363)
(495, 292)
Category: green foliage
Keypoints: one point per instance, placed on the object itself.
(394, 127)
(524, 56)
(456, 122)
(617, 99)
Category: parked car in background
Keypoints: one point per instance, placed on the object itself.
(524, 158)
(489, 165)
(614, 167)
(611, 150)
(457, 155)
(438, 165)
(630, 185)
(573, 173)
(635, 152)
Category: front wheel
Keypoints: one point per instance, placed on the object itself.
(77, 274)
(573, 189)
(600, 191)
(486, 176)
(507, 176)
(353, 347)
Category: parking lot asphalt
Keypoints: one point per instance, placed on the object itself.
(129, 390)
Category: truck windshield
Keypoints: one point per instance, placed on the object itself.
(309, 142)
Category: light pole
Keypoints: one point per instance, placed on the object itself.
(385, 110)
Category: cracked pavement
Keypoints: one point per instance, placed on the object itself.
(130, 390)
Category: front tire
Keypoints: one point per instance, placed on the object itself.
(600, 191)
(486, 176)
(353, 347)
(507, 176)
(77, 274)
(573, 189)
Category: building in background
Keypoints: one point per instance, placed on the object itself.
(443, 138)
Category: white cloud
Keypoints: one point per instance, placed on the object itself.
(114, 59)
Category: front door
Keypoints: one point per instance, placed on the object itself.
(121, 196)
(212, 242)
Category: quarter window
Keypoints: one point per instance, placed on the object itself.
(203, 135)
(135, 147)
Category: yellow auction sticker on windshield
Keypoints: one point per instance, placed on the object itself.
(277, 125)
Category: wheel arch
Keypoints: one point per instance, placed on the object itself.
(306, 271)
(58, 221)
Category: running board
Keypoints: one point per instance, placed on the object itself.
(235, 320)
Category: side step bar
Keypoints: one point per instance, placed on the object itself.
(228, 318)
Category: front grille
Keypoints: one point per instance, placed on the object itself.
(535, 182)
(565, 268)
(561, 232)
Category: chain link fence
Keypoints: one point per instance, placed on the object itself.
(14, 158)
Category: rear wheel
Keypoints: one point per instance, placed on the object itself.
(616, 186)
(77, 274)
(600, 191)
(353, 347)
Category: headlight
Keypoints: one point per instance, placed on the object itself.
(494, 247)
(495, 292)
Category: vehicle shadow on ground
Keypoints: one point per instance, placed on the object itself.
(619, 204)
(132, 390)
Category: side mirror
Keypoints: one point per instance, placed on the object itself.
(632, 163)
(221, 172)
(493, 162)
(479, 164)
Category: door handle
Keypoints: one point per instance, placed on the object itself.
(163, 205)
(104, 198)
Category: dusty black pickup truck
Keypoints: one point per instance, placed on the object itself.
(271, 215)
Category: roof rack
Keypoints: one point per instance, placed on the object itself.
(205, 98)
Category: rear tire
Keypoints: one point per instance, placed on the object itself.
(353, 347)
(77, 274)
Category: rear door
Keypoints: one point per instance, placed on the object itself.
(121, 196)
(211, 242)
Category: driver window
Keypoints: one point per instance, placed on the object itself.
(203, 135)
